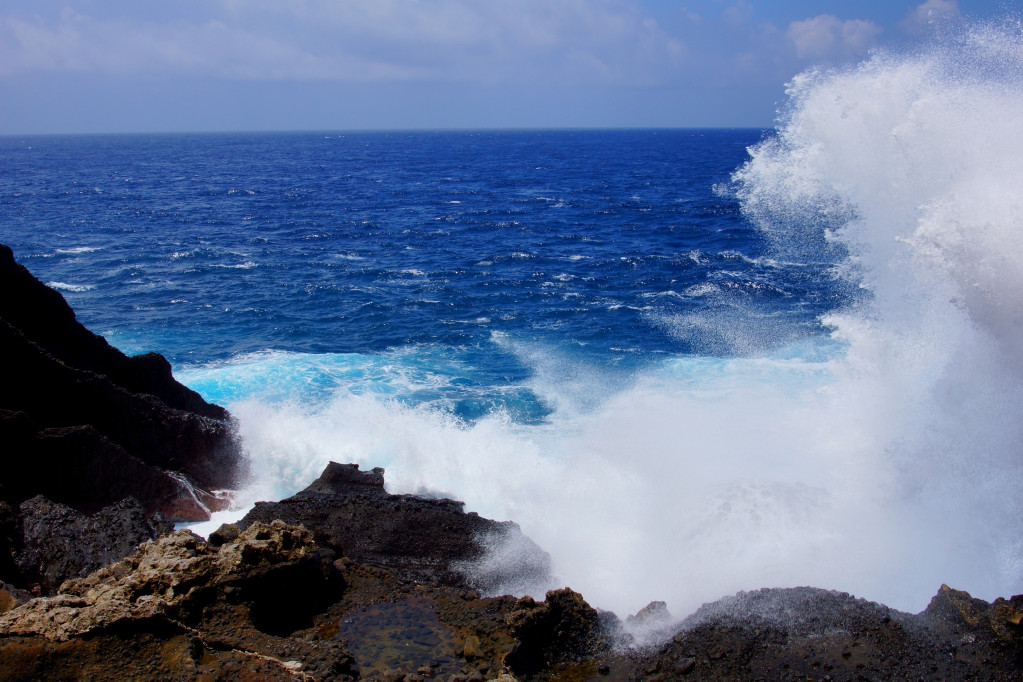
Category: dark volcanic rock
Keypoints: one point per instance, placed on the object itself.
(46, 319)
(10, 538)
(269, 603)
(424, 540)
(85, 425)
(92, 471)
(805, 633)
(54, 394)
(59, 543)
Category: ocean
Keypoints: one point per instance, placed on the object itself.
(685, 362)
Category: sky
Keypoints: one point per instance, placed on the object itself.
(123, 66)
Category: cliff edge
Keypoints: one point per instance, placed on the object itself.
(84, 427)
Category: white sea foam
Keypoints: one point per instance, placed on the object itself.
(73, 288)
(78, 249)
(914, 164)
(247, 265)
(884, 463)
(702, 289)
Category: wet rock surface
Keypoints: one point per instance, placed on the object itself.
(419, 540)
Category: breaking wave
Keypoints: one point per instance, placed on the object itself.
(884, 460)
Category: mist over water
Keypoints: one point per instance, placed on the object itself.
(913, 164)
(882, 462)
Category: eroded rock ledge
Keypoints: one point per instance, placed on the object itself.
(286, 601)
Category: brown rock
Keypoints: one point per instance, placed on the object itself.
(11, 597)
(471, 647)
(170, 575)
(563, 628)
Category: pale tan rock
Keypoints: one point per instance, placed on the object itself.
(154, 581)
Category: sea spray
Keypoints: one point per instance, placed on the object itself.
(880, 457)
(913, 164)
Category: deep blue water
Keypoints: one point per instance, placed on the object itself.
(443, 248)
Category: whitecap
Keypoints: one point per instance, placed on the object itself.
(73, 288)
(247, 265)
(78, 249)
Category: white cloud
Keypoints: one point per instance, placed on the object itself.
(928, 13)
(355, 40)
(79, 43)
(828, 37)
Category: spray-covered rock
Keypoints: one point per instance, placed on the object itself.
(419, 539)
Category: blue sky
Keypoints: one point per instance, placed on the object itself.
(82, 66)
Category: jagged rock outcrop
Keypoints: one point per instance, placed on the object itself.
(178, 574)
(45, 318)
(561, 629)
(268, 602)
(222, 611)
(85, 425)
(418, 539)
(806, 633)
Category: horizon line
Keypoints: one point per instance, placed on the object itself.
(355, 131)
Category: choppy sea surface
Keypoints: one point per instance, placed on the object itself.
(686, 362)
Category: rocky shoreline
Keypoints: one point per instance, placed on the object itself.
(102, 453)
